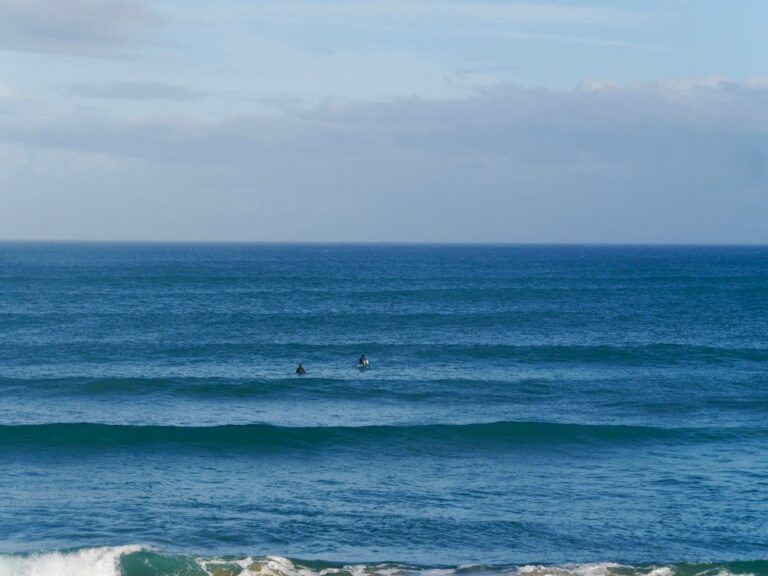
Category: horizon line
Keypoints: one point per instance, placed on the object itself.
(393, 243)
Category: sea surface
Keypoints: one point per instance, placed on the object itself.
(528, 410)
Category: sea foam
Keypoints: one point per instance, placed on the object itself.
(86, 562)
(140, 561)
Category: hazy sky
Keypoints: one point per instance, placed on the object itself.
(418, 120)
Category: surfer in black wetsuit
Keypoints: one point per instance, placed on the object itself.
(363, 361)
(300, 370)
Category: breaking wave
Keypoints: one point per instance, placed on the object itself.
(138, 561)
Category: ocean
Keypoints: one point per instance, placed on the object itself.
(528, 410)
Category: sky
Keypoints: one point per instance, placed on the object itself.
(561, 121)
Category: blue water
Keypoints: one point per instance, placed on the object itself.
(595, 410)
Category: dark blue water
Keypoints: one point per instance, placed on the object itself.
(598, 410)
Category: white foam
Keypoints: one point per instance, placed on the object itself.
(599, 569)
(85, 562)
(277, 566)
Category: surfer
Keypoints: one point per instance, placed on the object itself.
(300, 369)
(363, 361)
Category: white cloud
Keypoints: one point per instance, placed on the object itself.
(470, 19)
(71, 26)
(507, 115)
(603, 162)
(136, 90)
(561, 39)
(519, 12)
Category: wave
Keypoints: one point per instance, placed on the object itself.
(219, 388)
(657, 353)
(449, 348)
(173, 386)
(419, 438)
(137, 561)
(207, 387)
(106, 561)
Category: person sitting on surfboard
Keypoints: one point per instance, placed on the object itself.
(300, 370)
(363, 361)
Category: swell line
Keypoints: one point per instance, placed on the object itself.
(265, 437)
(140, 561)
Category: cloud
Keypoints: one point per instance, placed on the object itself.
(664, 162)
(86, 27)
(471, 19)
(494, 121)
(561, 39)
(131, 91)
(519, 12)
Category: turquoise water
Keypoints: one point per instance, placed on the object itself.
(573, 411)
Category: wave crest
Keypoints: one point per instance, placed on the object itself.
(138, 561)
(265, 437)
(86, 562)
